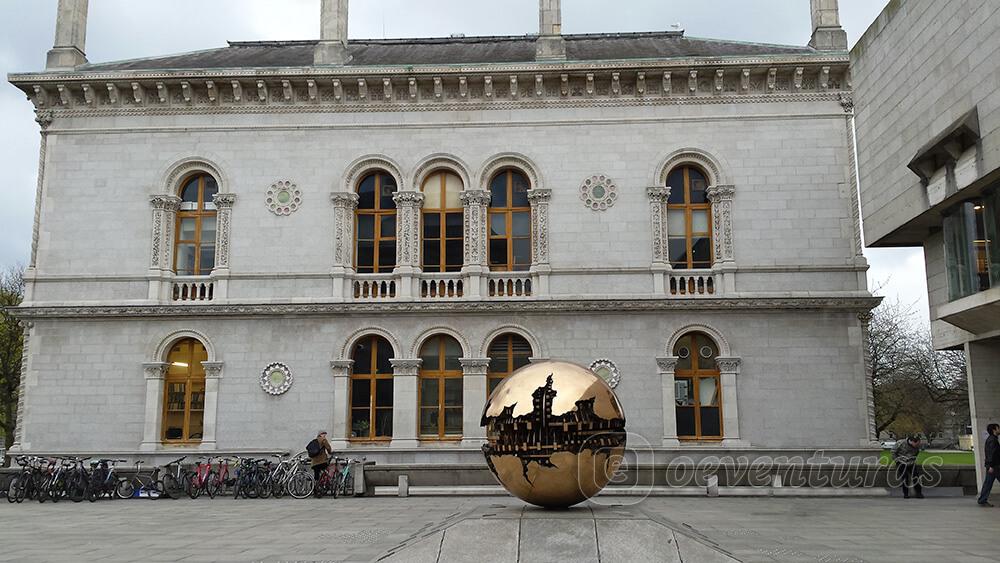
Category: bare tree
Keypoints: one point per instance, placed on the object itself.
(11, 344)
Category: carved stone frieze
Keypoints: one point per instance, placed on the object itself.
(722, 221)
(539, 200)
(667, 365)
(164, 208)
(408, 227)
(344, 205)
(405, 366)
(658, 197)
(728, 365)
(224, 218)
(475, 203)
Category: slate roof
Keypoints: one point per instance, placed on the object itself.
(455, 50)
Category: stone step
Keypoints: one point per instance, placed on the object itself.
(822, 492)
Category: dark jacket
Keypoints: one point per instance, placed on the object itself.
(905, 453)
(991, 454)
(324, 454)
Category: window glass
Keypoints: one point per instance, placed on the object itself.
(678, 251)
(689, 219)
(428, 421)
(498, 224)
(208, 230)
(360, 392)
(701, 252)
(453, 422)
(185, 259)
(699, 221)
(498, 252)
(675, 181)
(520, 225)
(383, 423)
(387, 189)
(711, 421)
(189, 193)
(676, 219)
(207, 259)
(708, 392)
(366, 193)
(454, 253)
(685, 421)
(452, 352)
(432, 255)
(522, 252)
(366, 227)
(432, 225)
(366, 256)
(453, 392)
(682, 350)
(388, 226)
(453, 193)
(498, 190)
(362, 356)
(429, 353)
(958, 231)
(428, 392)
(383, 365)
(383, 392)
(699, 186)
(432, 192)
(453, 225)
(519, 190)
(211, 188)
(992, 219)
(184, 392)
(386, 255)
(188, 228)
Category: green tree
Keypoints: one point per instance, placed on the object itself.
(11, 344)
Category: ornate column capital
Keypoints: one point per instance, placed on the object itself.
(224, 200)
(165, 202)
(658, 194)
(475, 366)
(475, 197)
(865, 318)
(345, 199)
(408, 199)
(721, 192)
(667, 365)
(341, 368)
(729, 365)
(539, 196)
(213, 370)
(155, 370)
(406, 366)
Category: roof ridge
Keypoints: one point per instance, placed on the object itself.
(462, 39)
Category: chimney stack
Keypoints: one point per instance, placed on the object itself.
(827, 34)
(68, 51)
(332, 46)
(550, 45)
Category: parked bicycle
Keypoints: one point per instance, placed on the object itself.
(149, 485)
(103, 480)
(199, 480)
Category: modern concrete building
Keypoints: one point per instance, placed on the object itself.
(927, 95)
(235, 248)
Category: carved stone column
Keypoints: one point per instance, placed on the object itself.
(666, 367)
(658, 197)
(344, 206)
(161, 260)
(341, 370)
(540, 268)
(213, 375)
(22, 388)
(155, 374)
(722, 233)
(475, 204)
(404, 402)
(474, 388)
(729, 369)
(408, 206)
(224, 219)
(867, 384)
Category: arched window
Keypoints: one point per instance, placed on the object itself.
(697, 388)
(508, 353)
(184, 392)
(510, 222)
(442, 223)
(375, 231)
(689, 219)
(194, 249)
(441, 391)
(371, 389)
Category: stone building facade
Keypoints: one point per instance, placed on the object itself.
(925, 76)
(235, 248)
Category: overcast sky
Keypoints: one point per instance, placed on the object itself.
(123, 29)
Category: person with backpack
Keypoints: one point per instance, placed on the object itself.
(319, 451)
(991, 458)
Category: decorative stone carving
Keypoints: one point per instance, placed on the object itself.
(164, 209)
(607, 370)
(475, 203)
(155, 370)
(658, 197)
(667, 365)
(474, 366)
(599, 192)
(224, 218)
(722, 221)
(406, 366)
(22, 384)
(728, 365)
(539, 200)
(275, 379)
(408, 228)
(344, 205)
(283, 198)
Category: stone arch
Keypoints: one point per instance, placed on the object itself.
(717, 173)
(352, 340)
(720, 340)
(167, 342)
(369, 163)
(419, 342)
(441, 161)
(509, 160)
(174, 174)
(536, 348)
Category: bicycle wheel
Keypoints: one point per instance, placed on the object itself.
(211, 483)
(301, 485)
(193, 486)
(76, 488)
(264, 487)
(278, 487)
(172, 488)
(347, 485)
(125, 489)
(42, 492)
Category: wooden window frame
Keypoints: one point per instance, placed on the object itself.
(498, 377)
(695, 375)
(372, 376)
(378, 214)
(508, 213)
(441, 375)
(190, 377)
(442, 212)
(688, 209)
(199, 215)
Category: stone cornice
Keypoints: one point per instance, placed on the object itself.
(847, 304)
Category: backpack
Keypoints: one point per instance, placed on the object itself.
(314, 448)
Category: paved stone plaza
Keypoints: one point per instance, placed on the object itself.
(367, 529)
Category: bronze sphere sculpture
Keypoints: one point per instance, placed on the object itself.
(555, 434)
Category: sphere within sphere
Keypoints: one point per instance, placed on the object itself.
(555, 434)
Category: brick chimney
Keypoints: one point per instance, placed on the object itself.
(827, 34)
(68, 50)
(332, 46)
(550, 45)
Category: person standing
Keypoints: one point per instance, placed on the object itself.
(907, 471)
(319, 450)
(991, 459)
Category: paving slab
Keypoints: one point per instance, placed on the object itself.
(550, 540)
